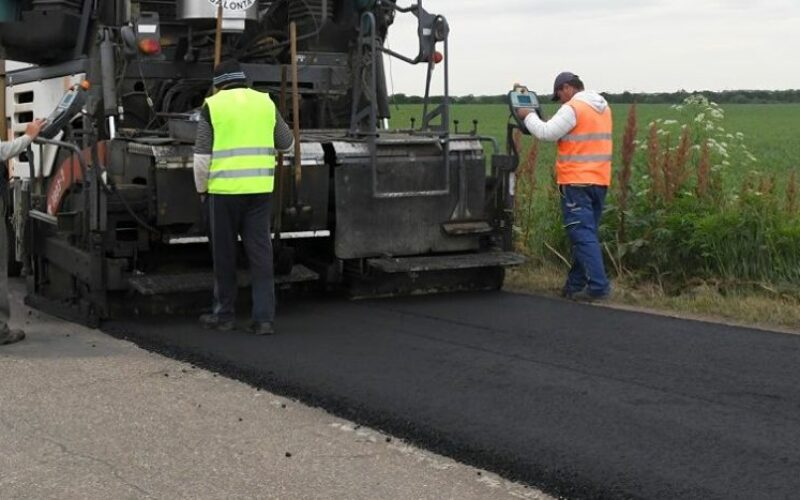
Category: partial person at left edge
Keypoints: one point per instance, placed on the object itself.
(10, 150)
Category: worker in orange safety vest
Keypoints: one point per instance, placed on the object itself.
(582, 127)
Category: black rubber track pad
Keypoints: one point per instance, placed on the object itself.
(581, 401)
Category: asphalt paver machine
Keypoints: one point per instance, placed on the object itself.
(106, 220)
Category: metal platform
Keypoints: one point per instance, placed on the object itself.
(446, 262)
(163, 284)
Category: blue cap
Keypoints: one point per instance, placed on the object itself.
(561, 79)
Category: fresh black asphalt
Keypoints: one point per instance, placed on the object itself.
(579, 400)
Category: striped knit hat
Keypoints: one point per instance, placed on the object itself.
(228, 72)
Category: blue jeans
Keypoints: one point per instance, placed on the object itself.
(582, 208)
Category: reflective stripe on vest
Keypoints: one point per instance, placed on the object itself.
(584, 156)
(230, 153)
(237, 174)
(243, 155)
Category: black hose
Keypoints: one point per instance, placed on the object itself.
(111, 188)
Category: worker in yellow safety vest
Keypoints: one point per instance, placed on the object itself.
(238, 136)
(582, 127)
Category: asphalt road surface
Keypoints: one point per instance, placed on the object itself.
(579, 400)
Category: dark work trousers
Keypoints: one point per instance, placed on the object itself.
(247, 215)
(5, 241)
(582, 208)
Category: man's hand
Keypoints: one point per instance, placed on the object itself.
(523, 112)
(34, 127)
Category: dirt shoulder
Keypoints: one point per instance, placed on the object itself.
(765, 310)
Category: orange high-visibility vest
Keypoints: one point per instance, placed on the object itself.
(584, 155)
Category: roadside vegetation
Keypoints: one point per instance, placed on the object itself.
(703, 216)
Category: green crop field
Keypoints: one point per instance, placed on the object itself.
(771, 131)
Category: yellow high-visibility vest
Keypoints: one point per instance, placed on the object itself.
(243, 155)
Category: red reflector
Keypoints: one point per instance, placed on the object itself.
(437, 57)
(149, 46)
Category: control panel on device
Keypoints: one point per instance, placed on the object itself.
(68, 107)
(522, 98)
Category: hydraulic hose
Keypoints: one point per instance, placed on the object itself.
(110, 187)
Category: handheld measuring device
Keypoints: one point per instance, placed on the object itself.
(521, 98)
(69, 106)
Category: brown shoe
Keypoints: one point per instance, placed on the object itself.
(11, 336)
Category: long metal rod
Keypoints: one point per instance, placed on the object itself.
(298, 172)
(218, 35)
(279, 168)
(3, 122)
(83, 28)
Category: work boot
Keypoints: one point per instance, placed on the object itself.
(214, 322)
(261, 328)
(10, 336)
(566, 293)
(586, 296)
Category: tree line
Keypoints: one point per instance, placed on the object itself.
(720, 97)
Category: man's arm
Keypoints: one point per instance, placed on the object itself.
(203, 146)
(284, 139)
(553, 129)
(21, 143)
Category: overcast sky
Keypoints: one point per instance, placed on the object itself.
(614, 45)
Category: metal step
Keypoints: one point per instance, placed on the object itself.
(163, 284)
(446, 262)
(467, 228)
